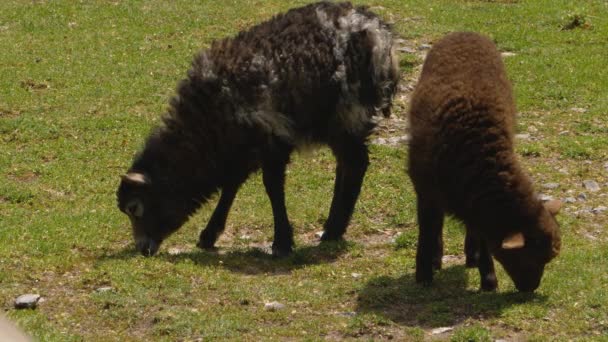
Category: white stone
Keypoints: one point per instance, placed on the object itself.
(274, 306)
(591, 185)
(550, 185)
(442, 330)
(27, 301)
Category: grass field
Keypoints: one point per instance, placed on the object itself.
(83, 82)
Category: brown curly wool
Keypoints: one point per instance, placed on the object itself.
(462, 162)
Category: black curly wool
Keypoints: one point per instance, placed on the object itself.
(313, 75)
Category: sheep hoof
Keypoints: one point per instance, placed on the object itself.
(489, 283)
(207, 246)
(331, 237)
(424, 280)
(281, 252)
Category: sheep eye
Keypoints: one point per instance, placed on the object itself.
(135, 209)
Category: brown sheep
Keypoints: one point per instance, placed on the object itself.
(317, 74)
(462, 163)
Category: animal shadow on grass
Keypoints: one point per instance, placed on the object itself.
(251, 260)
(447, 302)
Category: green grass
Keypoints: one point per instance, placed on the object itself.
(81, 85)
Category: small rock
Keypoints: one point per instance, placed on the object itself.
(406, 49)
(591, 185)
(590, 236)
(563, 132)
(599, 209)
(398, 140)
(274, 306)
(245, 237)
(319, 234)
(578, 110)
(569, 200)
(348, 314)
(582, 197)
(356, 275)
(583, 212)
(550, 185)
(27, 301)
(441, 330)
(379, 141)
(174, 251)
(545, 198)
(523, 136)
(244, 302)
(451, 259)
(425, 47)
(508, 54)
(532, 129)
(104, 289)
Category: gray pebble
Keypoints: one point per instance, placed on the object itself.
(425, 47)
(274, 306)
(550, 185)
(27, 301)
(569, 199)
(599, 209)
(441, 330)
(582, 197)
(508, 54)
(406, 49)
(523, 136)
(591, 185)
(398, 140)
(348, 314)
(545, 198)
(104, 289)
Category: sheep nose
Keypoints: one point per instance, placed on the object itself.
(146, 246)
(528, 286)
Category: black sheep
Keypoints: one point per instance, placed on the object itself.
(462, 162)
(313, 75)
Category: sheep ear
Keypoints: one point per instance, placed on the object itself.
(514, 241)
(135, 178)
(553, 206)
(135, 208)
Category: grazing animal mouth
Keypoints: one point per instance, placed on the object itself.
(146, 246)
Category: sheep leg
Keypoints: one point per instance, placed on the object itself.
(217, 222)
(430, 242)
(471, 250)
(274, 182)
(486, 268)
(352, 161)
